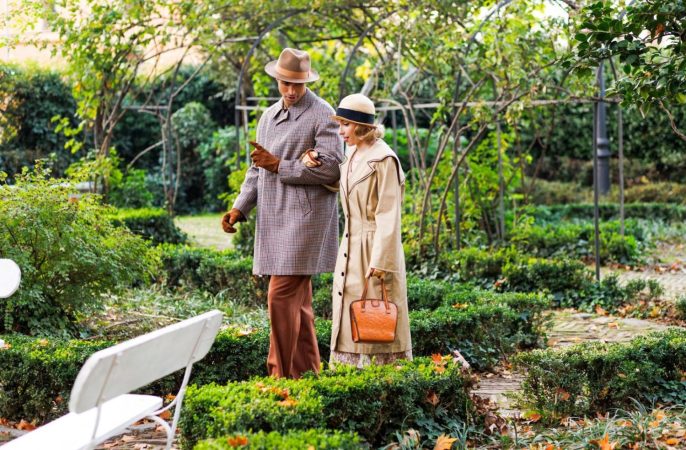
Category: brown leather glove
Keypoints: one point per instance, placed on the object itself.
(230, 218)
(262, 158)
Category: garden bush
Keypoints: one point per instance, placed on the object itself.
(576, 240)
(213, 271)
(297, 439)
(374, 402)
(69, 255)
(493, 326)
(669, 212)
(154, 224)
(595, 377)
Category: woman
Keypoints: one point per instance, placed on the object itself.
(371, 189)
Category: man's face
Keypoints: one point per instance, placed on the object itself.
(292, 92)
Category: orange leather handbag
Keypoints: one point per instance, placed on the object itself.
(373, 320)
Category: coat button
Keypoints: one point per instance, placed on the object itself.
(341, 294)
(346, 234)
(342, 274)
(345, 255)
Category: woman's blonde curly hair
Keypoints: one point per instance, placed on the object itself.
(368, 134)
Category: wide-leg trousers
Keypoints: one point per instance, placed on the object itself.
(293, 346)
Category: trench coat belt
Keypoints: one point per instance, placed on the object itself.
(368, 226)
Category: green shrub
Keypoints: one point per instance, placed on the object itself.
(31, 97)
(492, 325)
(152, 223)
(680, 306)
(577, 240)
(483, 332)
(132, 191)
(36, 375)
(68, 254)
(668, 212)
(213, 271)
(595, 377)
(374, 402)
(296, 439)
(556, 192)
(656, 192)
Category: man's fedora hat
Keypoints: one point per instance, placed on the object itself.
(356, 108)
(292, 66)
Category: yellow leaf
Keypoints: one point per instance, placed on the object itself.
(444, 442)
(600, 311)
(436, 358)
(460, 305)
(672, 441)
(659, 414)
(613, 325)
(288, 403)
(165, 415)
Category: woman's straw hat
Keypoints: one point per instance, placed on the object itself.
(356, 108)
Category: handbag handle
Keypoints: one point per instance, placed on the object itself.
(384, 294)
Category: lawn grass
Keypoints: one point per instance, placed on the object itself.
(205, 230)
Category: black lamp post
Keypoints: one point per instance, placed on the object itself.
(602, 142)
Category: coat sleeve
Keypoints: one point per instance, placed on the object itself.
(387, 246)
(247, 198)
(330, 148)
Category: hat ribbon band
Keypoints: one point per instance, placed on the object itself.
(355, 116)
(291, 73)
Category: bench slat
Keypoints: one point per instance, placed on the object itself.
(74, 431)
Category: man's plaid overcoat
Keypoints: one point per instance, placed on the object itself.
(297, 218)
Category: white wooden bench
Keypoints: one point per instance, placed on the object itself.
(101, 406)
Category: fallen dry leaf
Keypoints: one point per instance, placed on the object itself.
(532, 416)
(128, 438)
(613, 325)
(444, 442)
(604, 443)
(600, 311)
(672, 441)
(25, 426)
(237, 441)
(432, 398)
(288, 402)
(563, 395)
(165, 415)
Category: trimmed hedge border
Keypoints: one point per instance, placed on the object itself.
(483, 326)
(669, 212)
(374, 402)
(310, 439)
(152, 223)
(595, 377)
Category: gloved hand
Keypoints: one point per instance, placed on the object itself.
(230, 218)
(310, 158)
(262, 158)
(380, 274)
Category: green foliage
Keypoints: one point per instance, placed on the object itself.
(577, 240)
(681, 307)
(668, 212)
(374, 402)
(31, 98)
(213, 271)
(37, 375)
(595, 377)
(217, 161)
(154, 224)
(650, 45)
(296, 439)
(657, 192)
(68, 254)
(132, 191)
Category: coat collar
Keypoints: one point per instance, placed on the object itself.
(296, 110)
(367, 166)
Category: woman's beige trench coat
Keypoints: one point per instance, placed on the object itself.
(371, 197)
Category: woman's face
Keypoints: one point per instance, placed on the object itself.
(347, 132)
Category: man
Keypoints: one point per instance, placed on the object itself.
(297, 221)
